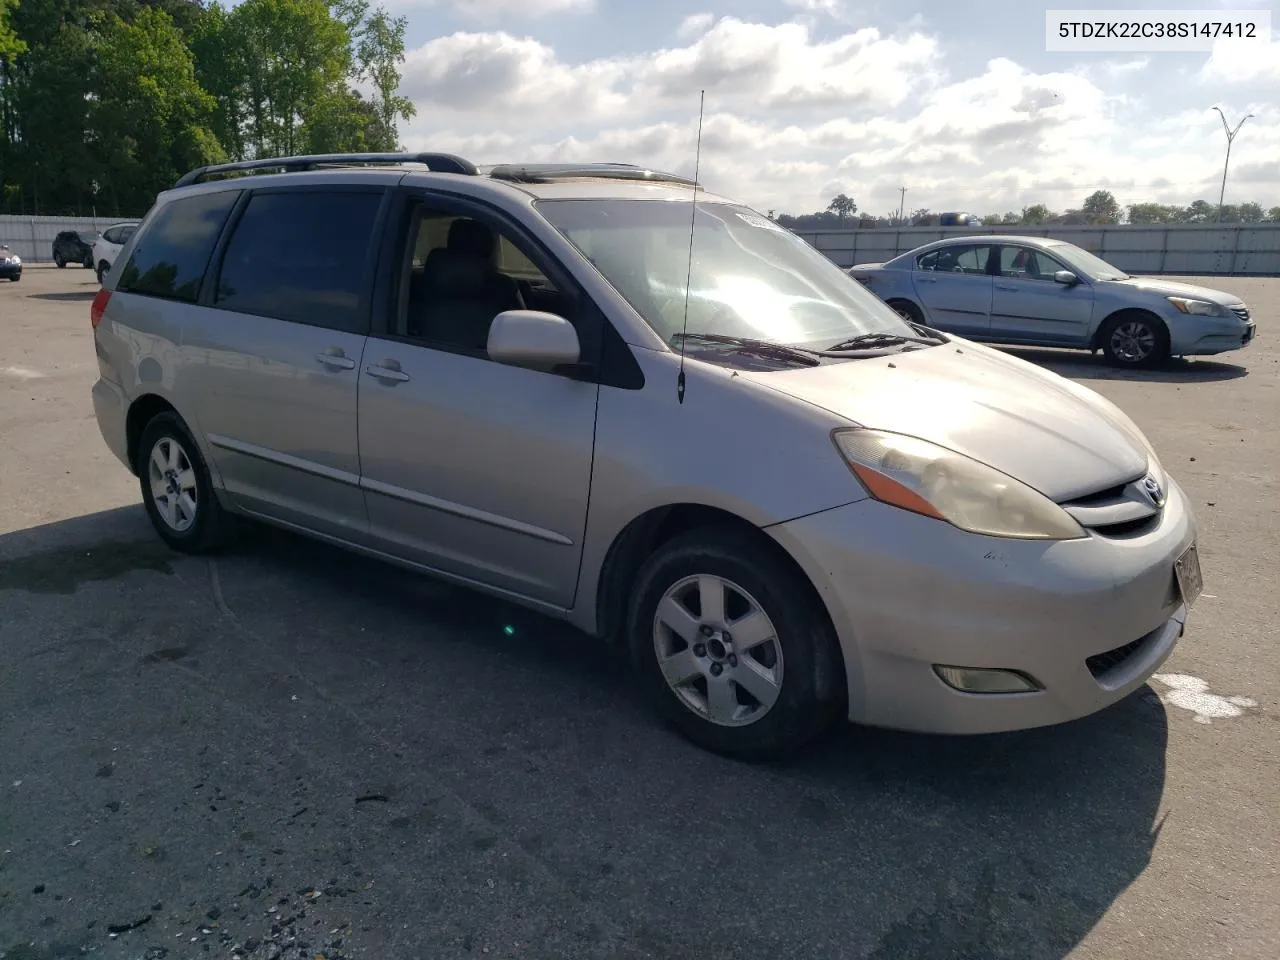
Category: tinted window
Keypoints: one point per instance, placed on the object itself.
(301, 256)
(463, 272)
(958, 258)
(171, 258)
(1023, 263)
(112, 235)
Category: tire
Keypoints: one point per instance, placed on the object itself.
(103, 267)
(805, 683)
(167, 438)
(908, 310)
(88, 261)
(60, 261)
(1135, 340)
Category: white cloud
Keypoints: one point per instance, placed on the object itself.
(1238, 63)
(694, 25)
(793, 117)
(493, 11)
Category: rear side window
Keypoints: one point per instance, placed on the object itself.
(301, 256)
(172, 256)
(112, 235)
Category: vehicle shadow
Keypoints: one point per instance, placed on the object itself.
(870, 844)
(1081, 365)
(69, 295)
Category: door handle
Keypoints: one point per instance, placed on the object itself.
(386, 373)
(336, 359)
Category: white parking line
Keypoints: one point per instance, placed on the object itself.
(1192, 693)
(22, 373)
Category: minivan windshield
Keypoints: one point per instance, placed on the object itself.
(750, 277)
(1095, 268)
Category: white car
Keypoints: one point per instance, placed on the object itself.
(109, 244)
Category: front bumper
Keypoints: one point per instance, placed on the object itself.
(1090, 620)
(9, 271)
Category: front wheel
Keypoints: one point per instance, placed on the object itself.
(732, 646)
(60, 261)
(103, 267)
(176, 488)
(1135, 340)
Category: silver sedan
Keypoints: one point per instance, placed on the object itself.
(1034, 291)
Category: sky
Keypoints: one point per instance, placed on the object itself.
(959, 102)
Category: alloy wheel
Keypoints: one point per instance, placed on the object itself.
(718, 650)
(173, 484)
(1133, 341)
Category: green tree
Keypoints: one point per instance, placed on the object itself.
(151, 119)
(1036, 214)
(1251, 213)
(842, 206)
(1153, 213)
(1101, 207)
(296, 58)
(10, 43)
(1273, 215)
(379, 51)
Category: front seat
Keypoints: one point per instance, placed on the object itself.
(462, 289)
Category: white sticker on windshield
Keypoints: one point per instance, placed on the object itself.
(763, 222)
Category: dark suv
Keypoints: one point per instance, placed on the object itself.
(71, 246)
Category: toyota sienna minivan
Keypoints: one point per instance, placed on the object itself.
(608, 395)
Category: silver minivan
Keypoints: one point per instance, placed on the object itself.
(610, 396)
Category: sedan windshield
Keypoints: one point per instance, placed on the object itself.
(749, 277)
(1095, 268)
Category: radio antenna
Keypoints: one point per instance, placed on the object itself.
(693, 219)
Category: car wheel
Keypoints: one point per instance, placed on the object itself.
(60, 261)
(103, 267)
(176, 488)
(1135, 340)
(732, 646)
(88, 261)
(908, 311)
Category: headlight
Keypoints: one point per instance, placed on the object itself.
(15, 259)
(1201, 308)
(922, 477)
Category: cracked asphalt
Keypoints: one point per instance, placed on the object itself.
(289, 752)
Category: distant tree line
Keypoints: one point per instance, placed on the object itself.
(103, 103)
(1100, 207)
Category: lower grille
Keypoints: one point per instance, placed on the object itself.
(1101, 664)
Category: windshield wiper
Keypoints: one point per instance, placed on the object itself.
(764, 348)
(873, 341)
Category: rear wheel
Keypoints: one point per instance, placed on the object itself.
(176, 488)
(732, 647)
(908, 311)
(88, 261)
(1135, 340)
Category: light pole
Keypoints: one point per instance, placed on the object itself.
(1231, 135)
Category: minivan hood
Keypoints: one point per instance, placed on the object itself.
(1171, 288)
(1062, 439)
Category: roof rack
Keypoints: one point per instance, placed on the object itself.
(436, 162)
(544, 172)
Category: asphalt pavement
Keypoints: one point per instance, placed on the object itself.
(290, 752)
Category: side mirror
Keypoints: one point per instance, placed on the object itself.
(1066, 277)
(533, 339)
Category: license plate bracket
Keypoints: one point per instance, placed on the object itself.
(1187, 571)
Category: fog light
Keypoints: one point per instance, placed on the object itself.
(986, 680)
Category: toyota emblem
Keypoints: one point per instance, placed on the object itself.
(1151, 487)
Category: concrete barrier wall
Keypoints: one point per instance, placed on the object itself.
(31, 238)
(1188, 249)
(1244, 250)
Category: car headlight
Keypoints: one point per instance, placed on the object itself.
(922, 477)
(1201, 308)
